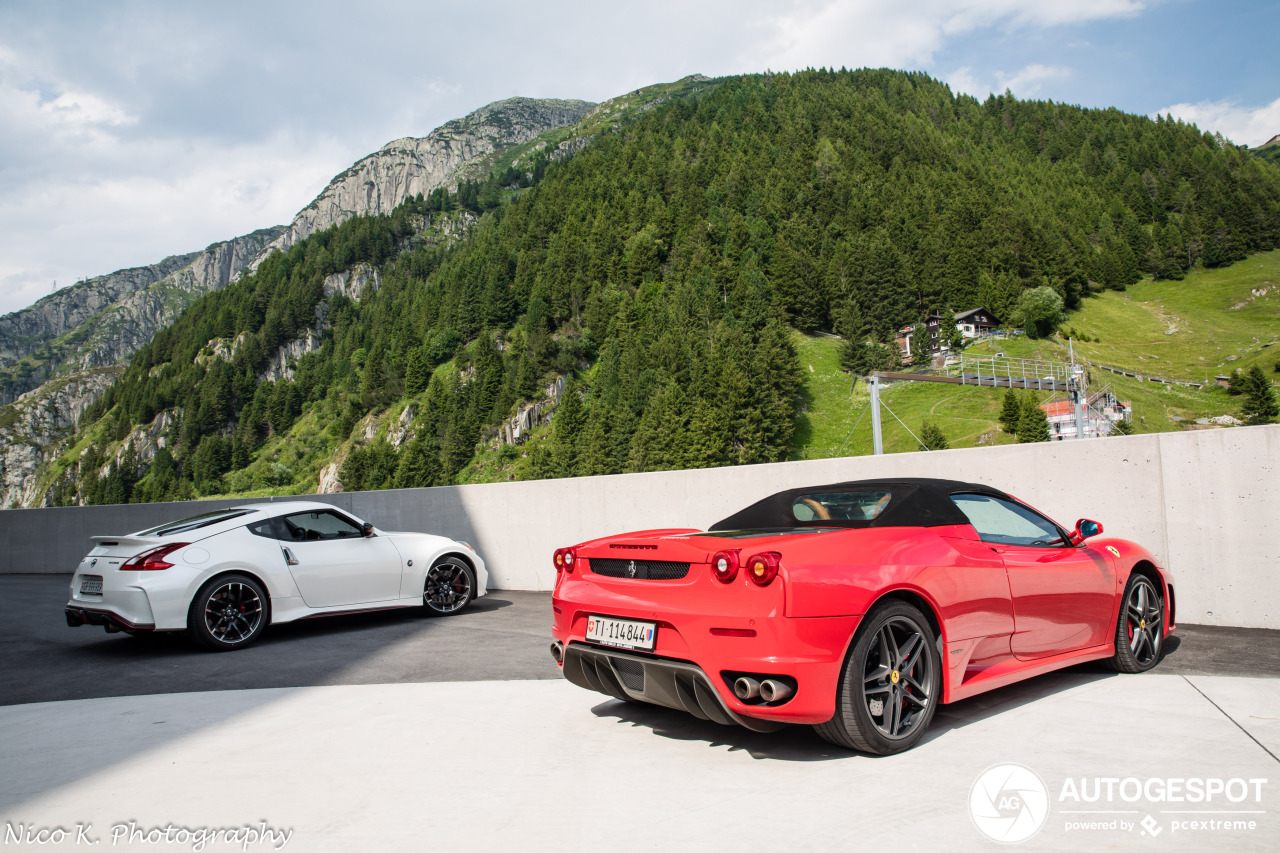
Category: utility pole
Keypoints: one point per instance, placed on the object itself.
(1077, 389)
(877, 441)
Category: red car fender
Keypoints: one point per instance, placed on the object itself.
(1125, 557)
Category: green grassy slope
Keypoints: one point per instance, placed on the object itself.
(1177, 330)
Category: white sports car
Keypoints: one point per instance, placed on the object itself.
(224, 575)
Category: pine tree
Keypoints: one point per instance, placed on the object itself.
(415, 373)
(1011, 412)
(419, 464)
(1260, 405)
(1033, 426)
(569, 421)
(932, 436)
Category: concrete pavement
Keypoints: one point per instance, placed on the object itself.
(502, 636)
(390, 731)
(543, 765)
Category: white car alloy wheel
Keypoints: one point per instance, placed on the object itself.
(449, 587)
(228, 613)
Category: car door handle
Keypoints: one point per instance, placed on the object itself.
(288, 556)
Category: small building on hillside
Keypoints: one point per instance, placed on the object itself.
(1100, 416)
(976, 322)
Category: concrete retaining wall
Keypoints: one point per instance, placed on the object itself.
(1206, 503)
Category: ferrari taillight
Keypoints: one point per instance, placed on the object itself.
(565, 559)
(153, 560)
(724, 565)
(763, 568)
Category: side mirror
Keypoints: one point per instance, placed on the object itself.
(366, 529)
(1085, 529)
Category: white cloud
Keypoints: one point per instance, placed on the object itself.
(1025, 83)
(1251, 126)
(857, 33)
(84, 108)
(963, 80)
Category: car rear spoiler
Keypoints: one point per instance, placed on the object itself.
(125, 541)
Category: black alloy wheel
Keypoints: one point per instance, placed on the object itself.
(450, 586)
(228, 613)
(1140, 627)
(891, 683)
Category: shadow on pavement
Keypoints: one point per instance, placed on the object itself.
(501, 636)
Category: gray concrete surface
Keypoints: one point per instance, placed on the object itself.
(502, 636)
(1204, 502)
(545, 766)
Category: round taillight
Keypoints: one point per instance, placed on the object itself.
(763, 568)
(724, 565)
(564, 559)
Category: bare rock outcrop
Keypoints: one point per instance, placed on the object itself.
(31, 425)
(410, 166)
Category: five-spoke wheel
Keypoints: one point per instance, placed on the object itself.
(1140, 628)
(891, 683)
(228, 612)
(450, 586)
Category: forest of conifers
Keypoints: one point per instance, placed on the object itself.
(660, 268)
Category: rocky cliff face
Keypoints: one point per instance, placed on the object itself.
(104, 320)
(32, 424)
(409, 166)
(23, 332)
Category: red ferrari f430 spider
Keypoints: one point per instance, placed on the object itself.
(855, 608)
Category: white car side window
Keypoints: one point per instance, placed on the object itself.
(319, 525)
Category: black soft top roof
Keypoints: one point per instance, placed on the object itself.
(914, 502)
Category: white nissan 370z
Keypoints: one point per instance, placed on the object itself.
(223, 576)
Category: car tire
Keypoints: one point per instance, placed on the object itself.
(450, 585)
(229, 612)
(1139, 626)
(892, 663)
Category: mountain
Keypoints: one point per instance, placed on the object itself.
(403, 168)
(102, 321)
(1269, 150)
(623, 294)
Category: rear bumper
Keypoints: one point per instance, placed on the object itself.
(77, 616)
(671, 683)
(693, 655)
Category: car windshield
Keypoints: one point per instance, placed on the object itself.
(195, 522)
(845, 506)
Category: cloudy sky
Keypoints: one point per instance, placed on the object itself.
(134, 130)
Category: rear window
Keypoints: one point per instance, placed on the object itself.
(839, 506)
(195, 522)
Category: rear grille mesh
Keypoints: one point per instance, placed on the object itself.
(630, 673)
(651, 570)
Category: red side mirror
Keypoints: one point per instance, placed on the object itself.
(1085, 529)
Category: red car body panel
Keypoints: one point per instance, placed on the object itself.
(1003, 613)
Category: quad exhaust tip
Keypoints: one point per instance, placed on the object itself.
(774, 691)
(769, 691)
(557, 651)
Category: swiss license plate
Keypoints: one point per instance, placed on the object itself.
(91, 584)
(621, 633)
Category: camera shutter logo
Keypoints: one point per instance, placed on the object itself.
(1009, 803)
